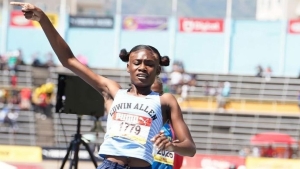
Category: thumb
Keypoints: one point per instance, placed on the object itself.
(176, 141)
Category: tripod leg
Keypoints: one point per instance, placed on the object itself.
(76, 152)
(66, 156)
(90, 152)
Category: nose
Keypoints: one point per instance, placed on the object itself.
(142, 67)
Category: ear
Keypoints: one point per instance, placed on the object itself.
(158, 70)
(127, 67)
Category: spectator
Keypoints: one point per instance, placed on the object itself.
(259, 72)
(193, 83)
(268, 152)
(226, 89)
(42, 100)
(12, 60)
(206, 88)
(185, 85)
(20, 60)
(165, 80)
(36, 61)
(49, 62)
(2, 62)
(220, 98)
(12, 117)
(175, 80)
(268, 73)
(289, 152)
(8, 117)
(255, 151)
(13, 79)
(223, 92)
(25, 95)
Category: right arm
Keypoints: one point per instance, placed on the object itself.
(68, 60)
(64, 53)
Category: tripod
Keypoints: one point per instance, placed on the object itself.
(74, 146)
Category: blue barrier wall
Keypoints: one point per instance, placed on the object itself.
(96, 45)
(252, 43)
(255, 43)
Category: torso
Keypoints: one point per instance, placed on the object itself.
(132, 122)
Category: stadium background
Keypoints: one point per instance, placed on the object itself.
(232, 39)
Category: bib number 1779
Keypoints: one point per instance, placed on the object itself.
(130, 128)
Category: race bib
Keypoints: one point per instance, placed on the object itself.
(165, 157)
(130, 126)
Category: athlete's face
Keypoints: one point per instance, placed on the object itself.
(143, 67)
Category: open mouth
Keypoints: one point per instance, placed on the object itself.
(142, 76)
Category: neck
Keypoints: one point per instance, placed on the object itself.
(137, 91)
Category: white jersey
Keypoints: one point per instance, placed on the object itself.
(132, 121)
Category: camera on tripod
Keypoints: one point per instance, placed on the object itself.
(75, 96)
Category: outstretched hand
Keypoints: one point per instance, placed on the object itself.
(30, 11)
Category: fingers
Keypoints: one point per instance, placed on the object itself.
(157, 136)
(25, 6)
(164, 142)
(17, 3)
(161, 141)
(176, 141)
(29, 15)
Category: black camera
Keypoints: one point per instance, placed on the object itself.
(75, 96)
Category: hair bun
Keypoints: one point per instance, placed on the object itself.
(124, 55)
(165, 61)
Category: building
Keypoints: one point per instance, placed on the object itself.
(277, 9)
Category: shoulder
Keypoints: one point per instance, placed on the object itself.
(167, 99)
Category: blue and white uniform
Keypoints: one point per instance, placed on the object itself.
(132, 121)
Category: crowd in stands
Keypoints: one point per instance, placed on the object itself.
(178, 81)
(264, 73)
(221, 92)
(14, 98)
(10, 61)
(12, 101)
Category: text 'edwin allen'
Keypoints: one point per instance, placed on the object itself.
(137, 106)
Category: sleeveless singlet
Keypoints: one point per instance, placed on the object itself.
(164, 159)
(132, 121)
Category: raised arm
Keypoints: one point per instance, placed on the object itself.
(185, 145)
(64, 53)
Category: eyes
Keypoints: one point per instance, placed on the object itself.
(149, 63)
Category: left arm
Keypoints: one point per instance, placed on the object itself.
(185, 145)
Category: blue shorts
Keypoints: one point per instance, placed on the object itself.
(106, 164)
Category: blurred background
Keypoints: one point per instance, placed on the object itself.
(235, 70)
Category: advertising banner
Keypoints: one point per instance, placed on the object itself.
(294, 26)
(52, 153)
(201, 25)
(144, 23)
(272, 163)
(202, 161)
(29, 154)
(17, 19)
(91, 22)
